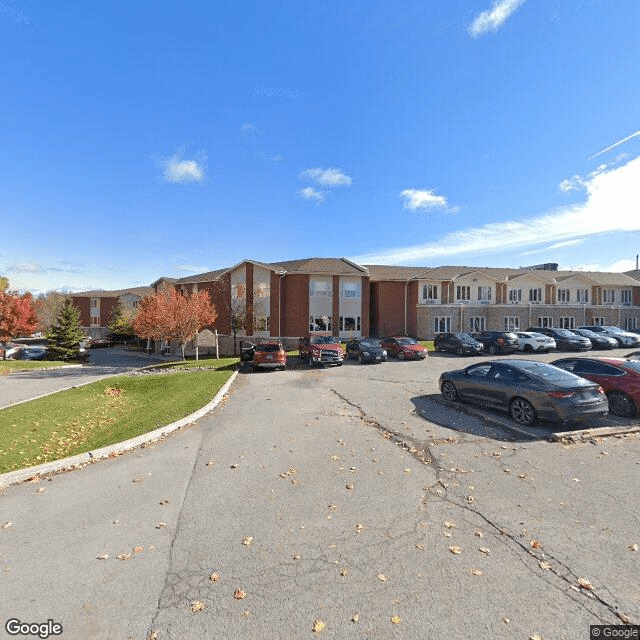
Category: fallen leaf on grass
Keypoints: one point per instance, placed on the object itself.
(455, 550)
(247, 541)
(396, 620)
(239, 594)
(196, 605)
(318, 626)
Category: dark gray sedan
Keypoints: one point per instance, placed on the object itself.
(527, 389)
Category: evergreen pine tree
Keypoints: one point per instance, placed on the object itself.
(120, 323)
(66, 333)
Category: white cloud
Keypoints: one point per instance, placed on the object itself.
(248, 129)
(619, 266)
(309, 193)
(572, 184)
(26, 267)
(422, 200)
(327, 177)
(178, 170)
(610, 206)
(556, 245)
(494, 18)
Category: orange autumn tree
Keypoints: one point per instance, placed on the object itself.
(170, 316)
(17, 316)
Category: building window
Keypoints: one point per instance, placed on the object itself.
(545, 322)
(349, 323)
(511, 323)
(477, 323)
(630, 323)
(442, 323)
(625, 296)
(567, 322)
(582, 295)
(600, 321)
(535, 295)
(515, 295)
(135, 304)
(320, 288)
(95, 320)
(564, 295)
(319, 323)
(608, 296)
(94, 303)
(350, 289)
(261, 324)
(484, 293)
(261, 290)
(463, 293)
(430, 292)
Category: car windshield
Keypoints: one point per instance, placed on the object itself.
(634, 365)
(268, 347)
(405, 341)
(565, 333)
(326, 340)
(586, 333)
(465, 337)
(615, 330)
(548, 372)
(370, 343)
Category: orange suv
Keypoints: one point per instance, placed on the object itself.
(269, 355)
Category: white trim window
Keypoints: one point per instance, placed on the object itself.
(515, 296)
(600, 321)
(463, 293)
(320, 324)
(564, 295)
(511, 323)
(535, 295)
(349, 323)
(484, 294)
(608, 296)
(442, 324)
(567, 322)
(630, 323)
(625, 296)
(429, 292)
(95, 321)
(545, 322)
(477, 323)
(95, 303)
(582, 295)
(351, 290)
(320, 288)
(261, 324)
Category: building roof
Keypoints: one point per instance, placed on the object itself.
(325, 266)
(379, 272)
(101, 293)
(200, 277)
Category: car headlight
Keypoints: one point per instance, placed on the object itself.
(366, 353)
(384, 352)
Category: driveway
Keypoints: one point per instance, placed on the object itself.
(27, 384)
(345, 501)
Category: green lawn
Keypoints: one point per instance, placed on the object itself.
(105, 412)
(6, 366)
(427, 344)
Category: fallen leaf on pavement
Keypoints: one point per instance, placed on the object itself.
(479, 534)
(455, 550)
(124, 556)
(210, 463)
(41, 489)
(196, 605)
(239, 594)
(382, 577)
(318, 626)
(487, 552)
(104, 556)
(247, 541)
(165, 501)
(449, 525)
(396, 620)
(355, 617)
(137, 480)
(632, 547)
(585, 584)
(476, 572)
(344, 572)
(506, 620)
(544, 565)
(160, 525)
(535, 544)
(138, 549)
(6, 525)
(214, 577)
(359, 528)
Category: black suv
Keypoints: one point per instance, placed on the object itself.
(366, 350)
(459, 343)
(497, 341)
(565, 340)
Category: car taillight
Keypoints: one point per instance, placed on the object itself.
(600, 390)
(560, 394)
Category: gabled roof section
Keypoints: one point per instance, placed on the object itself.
(379, 272)
(101, 293)
(534, 273)
(635, 274)
(481, 272)
(162, 279)
(209, 276)
(602, 278)
(582, 276)
(323, 266)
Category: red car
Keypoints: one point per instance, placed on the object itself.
(619, 377)
(269, 355)
(404, 348)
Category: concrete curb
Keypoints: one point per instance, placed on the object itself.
(83, 459)
(584, 435)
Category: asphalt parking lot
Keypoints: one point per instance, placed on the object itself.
(339, 503)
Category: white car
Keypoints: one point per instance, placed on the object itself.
(624, 338)
(531, 342)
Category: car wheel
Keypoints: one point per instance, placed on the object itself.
(400, 355)
(620, 404)
(449, 391)
(460, 351)
(493, 349)
(436, 346)
(361, 359)
(522, 412)
(528, 348)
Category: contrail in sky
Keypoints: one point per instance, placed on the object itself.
(633, 135)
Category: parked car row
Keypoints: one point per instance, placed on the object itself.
(18, 351)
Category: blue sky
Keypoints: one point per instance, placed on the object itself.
(147, 139)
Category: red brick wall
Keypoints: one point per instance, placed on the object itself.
(365, 325)
(335, 307)
(106, 307)
(388, 308)
(412, 308)
(274, 303)
(295, 305)
(84, 304)
(249, 286)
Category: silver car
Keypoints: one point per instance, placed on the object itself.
(531, 342)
